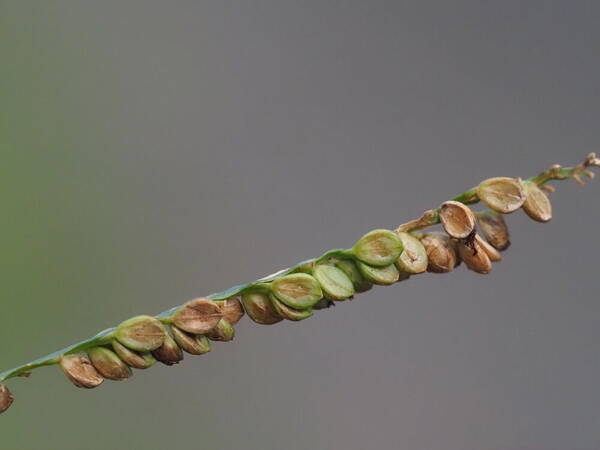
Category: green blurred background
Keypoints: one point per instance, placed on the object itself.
(156, 151)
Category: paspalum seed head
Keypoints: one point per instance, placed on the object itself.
(457, 219)
(108, 364)
(198, 316)
(169, 353)
(494, 229)
(413, 258)
(502, 194)
(537, 204)
(141, 333)
(378, 248)
(132, 358)
(192, 344)
(441, 252)
(6, 398)
(260, 309)
(81, 372)
(297, 290)
(335, 284)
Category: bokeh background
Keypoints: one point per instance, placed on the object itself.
(156, 151)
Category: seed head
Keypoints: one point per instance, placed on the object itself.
(502, 194)
(141, 333)
(537, 204)
(133, 358)
(494, 229)
(383, 276)
(194, 345)
(169, 353)
(198, 316)
(108, 364)
(441, 252)
(492, 253)
(360, 283)
(222, 332)
(413, 258)
(81, 372)
(457, 219)
(289, 313)
(232, 309)
(474, 257)
(260, 309)
(334, 283)
(297, 290)
(378, 248)
(6, 398)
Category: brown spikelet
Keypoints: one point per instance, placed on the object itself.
(81, 372)
(198, 316)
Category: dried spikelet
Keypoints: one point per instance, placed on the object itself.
(6, 398)
(413, 258)
(134, 359)
(378, 248)
(232, 309)
(108, 364)
(81, 372)
(198, 316)
(169, 353)
(223, 332)
(141, 333)
(537, 204)
(494, 229)
(441, 252)
(260, 309)
(502, 194)
(457, 219)
(475, 257)
(194, 345)
(492, 253)
(334, 282)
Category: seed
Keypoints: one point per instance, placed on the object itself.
(494, 229)
(198, 316)
(474, 257)
(378, 248)
(232, 309)
(133, 358)
(222, 332)
(334, 283)
(108, 364)
(297, 290)
(260, 309)
(502, 194)
(194, 345)
(169, 353)
(141, 333)
(290, 313)
(379, 275)
(413, 258)
(6, 398)
(361, 284)
(81, 372)
(492, 253)
(537, 204)
(457, 219)
(441, 252)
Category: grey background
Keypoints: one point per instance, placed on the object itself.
(157, 151)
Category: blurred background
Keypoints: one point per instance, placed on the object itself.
(156, 151)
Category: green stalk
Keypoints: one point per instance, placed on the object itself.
(429, 218)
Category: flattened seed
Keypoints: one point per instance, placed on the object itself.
(6, 398)
(297, 290)
(223, 332)
(492, 253)
(80, 371)
(502, 194)
(232, 309)
(334, 283)
(475, 258)
(383, 276)
(413, 258)
(141, 333)
(108, 364)
(290, 313)
(494, 229)
(378, 248)
(537, 204)
(457, 219)
(132, 358)
(194, 345)
(169, 353)
(260, 309)
(198, 316)
(349, 267)
(441, 253)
